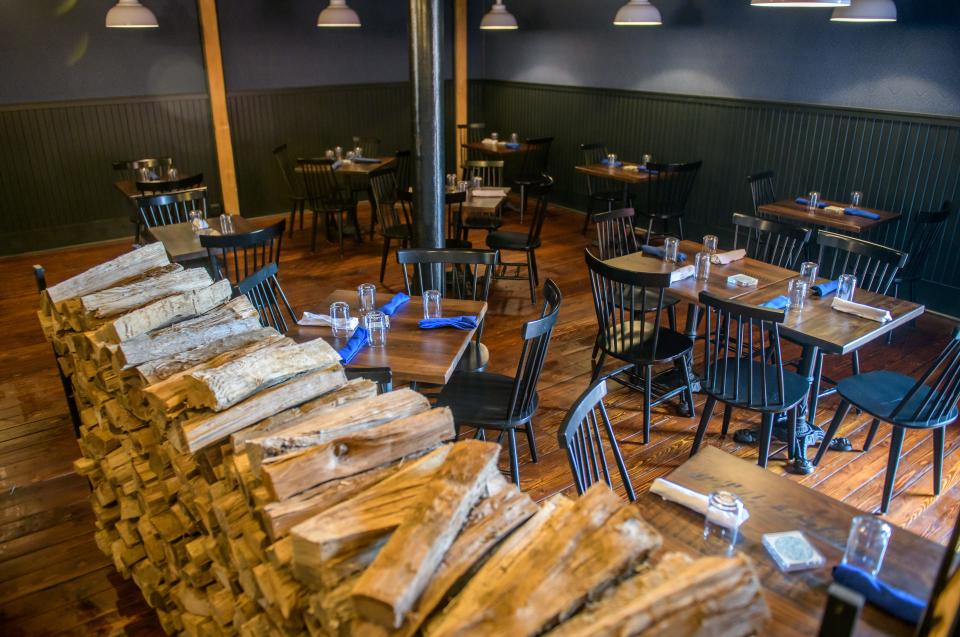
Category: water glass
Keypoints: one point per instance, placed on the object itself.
(514, 139)
(494, 136)
(867, 543)
(846, 287)
(813, 201)
(646, 159)
(340, 319)
(796, 293)
(611, 159)
(856, 198)
(808, 272)
(377, 327)
(476, 182)
(226, 224)
(351, 154)
(671, 246)
(432, 304)
(338, 151)
(144, 174)
(330, 154)
(172, 172)
(358, 152)
(367, 293)
(451, 180)
(710, 243)
(462, 186)
(720, 528)
(196, 220)
(701, 264)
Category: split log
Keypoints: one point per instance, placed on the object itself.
(124, 298)
(109, 274)
(388, 589)
(355, 452)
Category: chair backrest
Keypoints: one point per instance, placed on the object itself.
(742, 366)
(238, 256)
(490, 171)
(874, 265)
(628, 306)
(170, 185)
(536, 158)
(762, 189)
(772, 242)
(265, 294)
(286, 170)
(593, 153)
(469, 134)
(927, 228)
(541, 191)
(369, 145)
(615, 233)
(936, 392)
(581, 436)
(131, 167)
(536, 340)
(382, 376)
(320, 185)
(404, 166)
(383, 187)
(454, 202)
(666, 192)
(171, 207)
(466, 274)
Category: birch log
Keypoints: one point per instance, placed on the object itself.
(124, 298)
(109, 274)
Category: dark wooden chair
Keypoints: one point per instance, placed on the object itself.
(130, 168)
(602, 194)
(769, 241)
(382, 376)
(629, 306)
(369, 145)
(532, 168)
(453, 201)
(404, 166)
(743, 376)
(294, 195)
(762, 189)
(237, 256)
(663, 198)
(466, 274)
(927, 228)
(524, 242)
(581, 436)
(469, 134)
(929, 402)
(495, 401)
(172, 207)
(491, 171)
(327, 196)
(390, 212)
(156, 186)
(264, 291)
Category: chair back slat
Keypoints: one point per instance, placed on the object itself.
(536, 336)
(264, 292)
(390, 211)
(762, 189)
(286, 170)
(490, 171)
(320, 185)
(938, 397)
(769, 241)
(541, 191)
(171, 207)
(664, 195)
(616, 235)
(875, 266)
(927, 228)
(130, 168)
(369, 145)
(248, 252)
(404, 170)
(536, 159)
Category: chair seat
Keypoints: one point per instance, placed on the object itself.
(501, 240)
(607, 195)
(531, 180)
(475, 358)
(637, 347)
(482, 398)
(403, 231)
(482, 222)
(795, 387)
(879, 393)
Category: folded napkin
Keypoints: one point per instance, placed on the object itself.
(338, 163)
(657, 251)
(693, 501)
(723, 258)
(394, 304)
(777, 303)
(366, 160)
(863, 311)
(616, 164)
(512, 145)
(680, 274)
(803, 201)
(837, 210)
(356, 343)
(459, 322)
(893, 600)
(487, 140)
(857, 212)
(826, 288)
(487, 192)
(310, 319)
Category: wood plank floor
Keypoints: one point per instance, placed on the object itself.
(53, 580)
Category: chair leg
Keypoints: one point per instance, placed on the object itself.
(855, 362)
(680, 226)
(688, 394)
(303, 211)
(647, 399)
(870, 434)
(672, 317)
(343, 220)
(536, 270)
(838, 417)
(514, 461)
(532, 442)
(598, 368)
(792, 433)
(704, 421)
(530, 277)
(649, 231)
(293, 217)
(938, 440)
(587, 217)
(766, 432)
(596, 348)
(383, 257)
(896, 445)
(727, 413)
(523, 201)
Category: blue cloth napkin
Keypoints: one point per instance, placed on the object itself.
(657, 251)
(777, 303)
(356, 343)
(825, 289)
(803, 201)
(459, 322)
(366, 160)
(857, 212)
(512, 145)
(896, 602)
(616, 164)
(394, 304)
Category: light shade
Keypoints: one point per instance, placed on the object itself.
(866, 11)
(338, 14)
(498, 18)
(638, 13)
(823, 4)
(130, 14)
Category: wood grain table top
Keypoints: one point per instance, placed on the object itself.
(487, 205)
(128, 187)
(362, 168)
(413, 354)
(775, 504)
(183, 244)
(789, 209)
(617, 174)
(498, 150)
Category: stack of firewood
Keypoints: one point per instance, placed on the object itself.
(249, 488)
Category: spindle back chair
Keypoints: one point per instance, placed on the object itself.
(237, 256)
(762, 189)
(172, 207)
(663, 197)
(294, 192)
(772, 242)
(264, 292)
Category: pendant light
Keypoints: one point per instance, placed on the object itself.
(823, 4)
(498, 19)
(638, 13)
(130, 14)
(866, 11)
(338, 14)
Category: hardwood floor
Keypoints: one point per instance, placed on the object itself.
(53, 580)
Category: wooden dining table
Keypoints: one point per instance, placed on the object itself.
(796, 600)
(182, 243)
(412, 354)
(128, 187)
(498, 150)
(349, 167)
(791, 211)
(627, 174)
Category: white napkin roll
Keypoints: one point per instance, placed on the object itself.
(837, 210)
(680, 274)
(630, 167)
(864, 311)
(723, 258)
(694, 501)
(487, 140)
(310, 319)
(487, 192)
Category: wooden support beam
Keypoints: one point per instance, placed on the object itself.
(207, 10)
(460, 74)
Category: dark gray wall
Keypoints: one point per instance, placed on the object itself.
(726, 48)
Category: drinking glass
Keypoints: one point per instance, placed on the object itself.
(172, 172)
(340, 319)
(846, 287)
(330, 154)
(338, 151)
(855, 198)
(358, 152)
(720, 527)
(367, 293)
(144, 174)
(514, 139)
(796, 293)
(813, 201)
(451, 180)
(494, 136)
(476, 182)
(611, 159)
(226, 224)
(710, 243)
(671, 245)
(646, 159)
(867, 543)
(377, 327)
(702, 265)
(196, 219)
(808, 272)
(462, 186)
(431, 304)
(351, 154)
